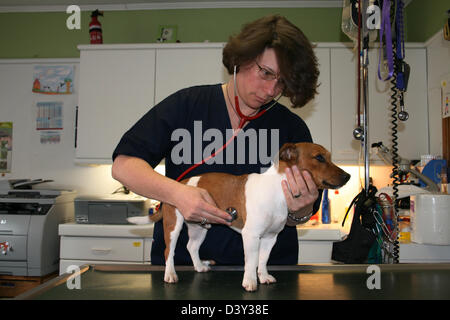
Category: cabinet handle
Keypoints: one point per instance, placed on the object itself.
(101, 250)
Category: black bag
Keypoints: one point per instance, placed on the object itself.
(355, 248)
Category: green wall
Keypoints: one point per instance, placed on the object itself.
(425, 18)
(44, 35)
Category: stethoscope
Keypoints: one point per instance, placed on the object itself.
(243, 120)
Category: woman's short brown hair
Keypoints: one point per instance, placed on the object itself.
(295, 56)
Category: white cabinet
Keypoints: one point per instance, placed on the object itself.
(119, 83)
(317, 112)
(116, 89)
(413, 134)
(104, 244)
(178, 68)
(343, 104)
(315, 243)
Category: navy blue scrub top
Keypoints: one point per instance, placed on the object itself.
(183, 114)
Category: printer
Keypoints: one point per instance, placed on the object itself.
(110, 209)
(29, 219)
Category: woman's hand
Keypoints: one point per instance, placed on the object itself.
(196, 204)
(300, 191)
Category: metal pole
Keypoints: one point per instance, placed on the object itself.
(365, 65)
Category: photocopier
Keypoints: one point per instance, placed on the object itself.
(29, 219)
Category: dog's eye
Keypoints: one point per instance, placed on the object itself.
(319, 158)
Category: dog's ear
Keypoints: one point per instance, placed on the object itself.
(289, 152)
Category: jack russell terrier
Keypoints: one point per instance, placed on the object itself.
(260, 204)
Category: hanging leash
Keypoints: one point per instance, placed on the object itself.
(385, 29)
(403, 67)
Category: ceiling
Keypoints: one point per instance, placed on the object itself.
(61, 5)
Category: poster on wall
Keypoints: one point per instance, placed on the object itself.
(53, 79)
(5, 146)
(49, 121)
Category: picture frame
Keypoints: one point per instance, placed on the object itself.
(167, 33)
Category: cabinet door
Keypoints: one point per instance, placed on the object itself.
(343, 107)
(178, 68)
(343, 104)
(116, 89)
(316, 113)
(413, 133)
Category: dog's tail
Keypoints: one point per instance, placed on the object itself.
(146, 219)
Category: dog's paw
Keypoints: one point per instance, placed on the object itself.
(250, 284)
(171, 277)
(203, 267)
(266, 278)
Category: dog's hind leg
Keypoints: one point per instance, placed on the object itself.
(170, 275)
(197, 234)
(267, 243)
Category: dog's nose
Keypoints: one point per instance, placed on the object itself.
(345, 177)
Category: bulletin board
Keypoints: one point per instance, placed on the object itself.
(38, 99)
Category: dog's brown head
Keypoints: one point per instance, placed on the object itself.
(316, 160)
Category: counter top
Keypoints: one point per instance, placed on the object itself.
(330, 232)
(333, 232)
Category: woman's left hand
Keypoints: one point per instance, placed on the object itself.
(300, 191)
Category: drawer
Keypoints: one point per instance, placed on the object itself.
(17, 246)
(13, 268)
(102, 249)
(16, 224)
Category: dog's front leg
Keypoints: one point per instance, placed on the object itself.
(251, 252)
(267, 243)
(197, 234)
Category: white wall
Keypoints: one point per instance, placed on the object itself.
(30, 158)
(438, 60)
(34, 160)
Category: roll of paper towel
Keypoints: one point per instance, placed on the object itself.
(430, 219)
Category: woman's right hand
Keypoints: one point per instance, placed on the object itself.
(195, 204)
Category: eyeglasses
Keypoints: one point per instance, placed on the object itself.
(269, 75)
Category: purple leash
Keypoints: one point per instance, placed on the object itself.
(385, 29)
(403, 67)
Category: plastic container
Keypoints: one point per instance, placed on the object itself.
(404, 230)
(430, 219)
(326, 218)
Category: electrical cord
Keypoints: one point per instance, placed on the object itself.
(395, 158)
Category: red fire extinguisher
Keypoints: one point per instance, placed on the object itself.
(95, 28)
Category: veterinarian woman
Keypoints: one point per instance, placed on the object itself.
(268, 58)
